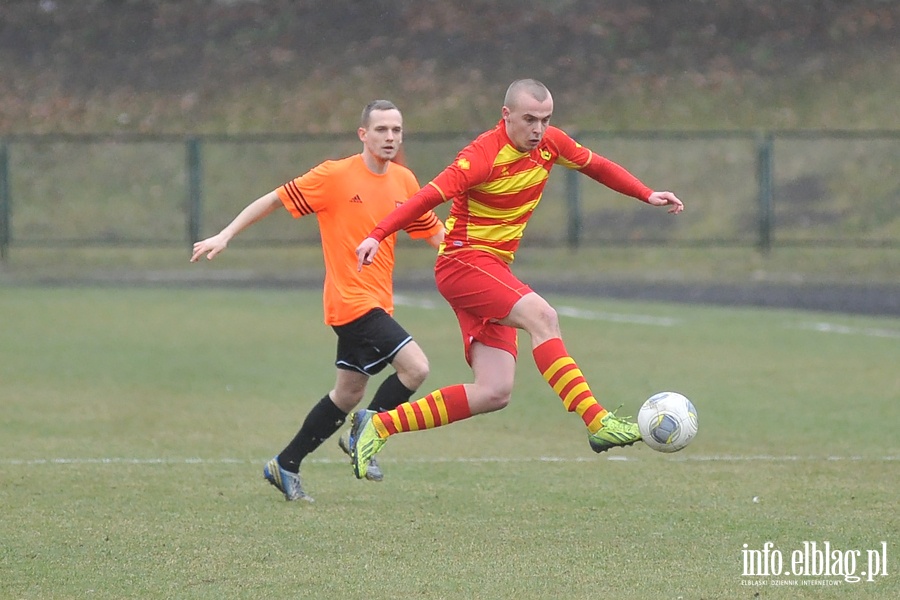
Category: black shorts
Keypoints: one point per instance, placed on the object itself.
(369, 343)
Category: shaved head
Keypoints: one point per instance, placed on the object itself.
(526, 111)
(525, 88)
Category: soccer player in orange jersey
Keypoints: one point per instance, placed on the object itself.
(349, 197)
(495, 183)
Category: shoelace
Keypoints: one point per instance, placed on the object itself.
(618, 418)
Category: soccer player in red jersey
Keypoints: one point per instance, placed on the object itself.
(495, 183)
(349, 197)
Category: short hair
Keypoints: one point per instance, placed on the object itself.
(375, 105)
(532, 87)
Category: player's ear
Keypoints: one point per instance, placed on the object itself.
(361, 132)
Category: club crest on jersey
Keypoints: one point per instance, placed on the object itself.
(463, 164)
(545, 154)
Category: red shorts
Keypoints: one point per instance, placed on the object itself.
(481, 290)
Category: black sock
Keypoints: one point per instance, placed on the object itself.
(391, 394)
(320, 424)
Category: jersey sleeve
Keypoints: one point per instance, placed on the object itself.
(614, 176)
(427, 224)
(471, 167)
(453, 181)
(302, 195)
(408, 213)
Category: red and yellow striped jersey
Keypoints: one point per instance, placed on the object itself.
(495, 187)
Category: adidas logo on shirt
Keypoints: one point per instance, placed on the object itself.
(356, 198)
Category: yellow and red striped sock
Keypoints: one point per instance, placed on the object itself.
(566, 379)
(438, 408)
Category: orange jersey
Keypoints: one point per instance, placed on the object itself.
(349, 201)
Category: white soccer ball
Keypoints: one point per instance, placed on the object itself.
(668, 421)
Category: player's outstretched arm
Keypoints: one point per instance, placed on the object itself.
(666, 199)
(255, 211)
(365, 252)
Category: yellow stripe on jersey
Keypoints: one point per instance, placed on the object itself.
(513, 213)
(564, 162)
(508, 155)
(449, 222)
(496, 233)
(512, 184)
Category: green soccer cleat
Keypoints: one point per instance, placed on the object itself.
(373, 471)
(364, 442)
(616, 431)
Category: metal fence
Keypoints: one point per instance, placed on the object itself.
(763, 189)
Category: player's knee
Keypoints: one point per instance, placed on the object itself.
(550, 317)
(545, 321)
(495, 396)
(347, 399)
(413, 373)
(499, 401)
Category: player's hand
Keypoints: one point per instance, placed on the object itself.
(666, 199)
(210, 246)
(365, 252)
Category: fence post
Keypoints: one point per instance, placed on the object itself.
(765, 193)
(573, 204)
(194, 190)
(5, 209)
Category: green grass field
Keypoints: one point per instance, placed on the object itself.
(135, 423)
